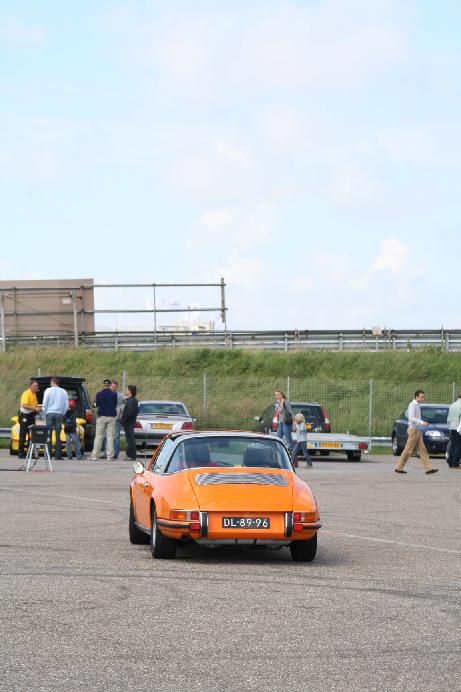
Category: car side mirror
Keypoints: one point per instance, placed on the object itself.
(194, 420)
(259, 419)
(138, 467)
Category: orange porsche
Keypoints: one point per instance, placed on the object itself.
(222, 488)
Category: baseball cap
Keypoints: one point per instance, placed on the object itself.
(106, 381)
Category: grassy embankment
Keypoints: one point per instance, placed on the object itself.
(241, 383)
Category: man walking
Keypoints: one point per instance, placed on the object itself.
(28, 408)
(130, 411)
(454, 419)
(55, 405)
(106, 403)
(415, 436)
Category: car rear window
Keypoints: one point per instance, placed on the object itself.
(437, 415)
(310, 412)
(158, 409)
(229, 452)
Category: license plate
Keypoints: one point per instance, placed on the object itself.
(331, 445)
(308, 426)
(161, 426)
(246, 523)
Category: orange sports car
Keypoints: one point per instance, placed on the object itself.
(222, 488)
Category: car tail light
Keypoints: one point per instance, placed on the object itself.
(363, 445)
(187, 426)
(88, 415)
(298, 527)
(185, 514)
(194, 526)
(138, 425)
(304, 517)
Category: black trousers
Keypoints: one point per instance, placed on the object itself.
(25, 421)
(129, 437)
(454, 451)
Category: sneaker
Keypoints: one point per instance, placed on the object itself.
(402, 471)
(93, 459)
(432, 471)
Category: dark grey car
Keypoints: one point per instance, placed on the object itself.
(436, 436)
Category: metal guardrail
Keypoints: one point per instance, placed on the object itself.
(284, 341)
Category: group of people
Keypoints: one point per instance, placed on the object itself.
(114, 412)
(289, 424)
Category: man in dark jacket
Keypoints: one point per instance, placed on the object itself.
(106, 402)
(130, 412)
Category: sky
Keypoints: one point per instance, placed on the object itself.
(308, 151)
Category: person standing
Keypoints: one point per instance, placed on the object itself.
(284, 414)
(118, 417)
(415, 436)
(106, 403)
(301, 441)
(70, 428)
(130, 412)
(28, 408)
(454, 419)
(55, 405)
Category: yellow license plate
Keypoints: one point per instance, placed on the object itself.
(161, 426)
(331, 445)
(308, 426)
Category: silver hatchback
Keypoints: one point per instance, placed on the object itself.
(159, 418)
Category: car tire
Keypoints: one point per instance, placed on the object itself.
(324, 453)
(137, 537)
(354, 456)
(304, 551)
(396, 448)
(162, 548)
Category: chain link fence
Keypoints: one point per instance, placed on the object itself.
(362, 407)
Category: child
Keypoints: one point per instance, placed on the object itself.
(301, 440)
(70, 428)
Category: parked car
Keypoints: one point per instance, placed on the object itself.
(159, 418)
(436, 436)
(77, 390)
(14, 441)
(315, 415)
(222, 488)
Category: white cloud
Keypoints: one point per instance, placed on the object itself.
(22, 35)
(261, 47)
(239, 227)
(244, 272)
(392, 256)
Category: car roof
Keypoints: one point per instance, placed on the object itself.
(69, 379)
(434, 405)
(222, 433)
(161, 401)
(304, 403)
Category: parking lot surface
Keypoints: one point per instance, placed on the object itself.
(379, 609)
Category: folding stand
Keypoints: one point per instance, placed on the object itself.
(38, 438)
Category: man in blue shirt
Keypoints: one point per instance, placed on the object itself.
(106, 403)
(55, 405)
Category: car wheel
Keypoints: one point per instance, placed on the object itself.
(324, 453)
(137, 537)
(304, 551)
(396, 448)
(161, 546)
(354, 456)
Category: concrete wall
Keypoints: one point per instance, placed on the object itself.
(46, 307)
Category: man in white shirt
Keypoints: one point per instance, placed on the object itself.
(55, 405)
(415, 436)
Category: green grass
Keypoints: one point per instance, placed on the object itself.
(241, 383)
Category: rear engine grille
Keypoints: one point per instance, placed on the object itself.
(241, 479)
